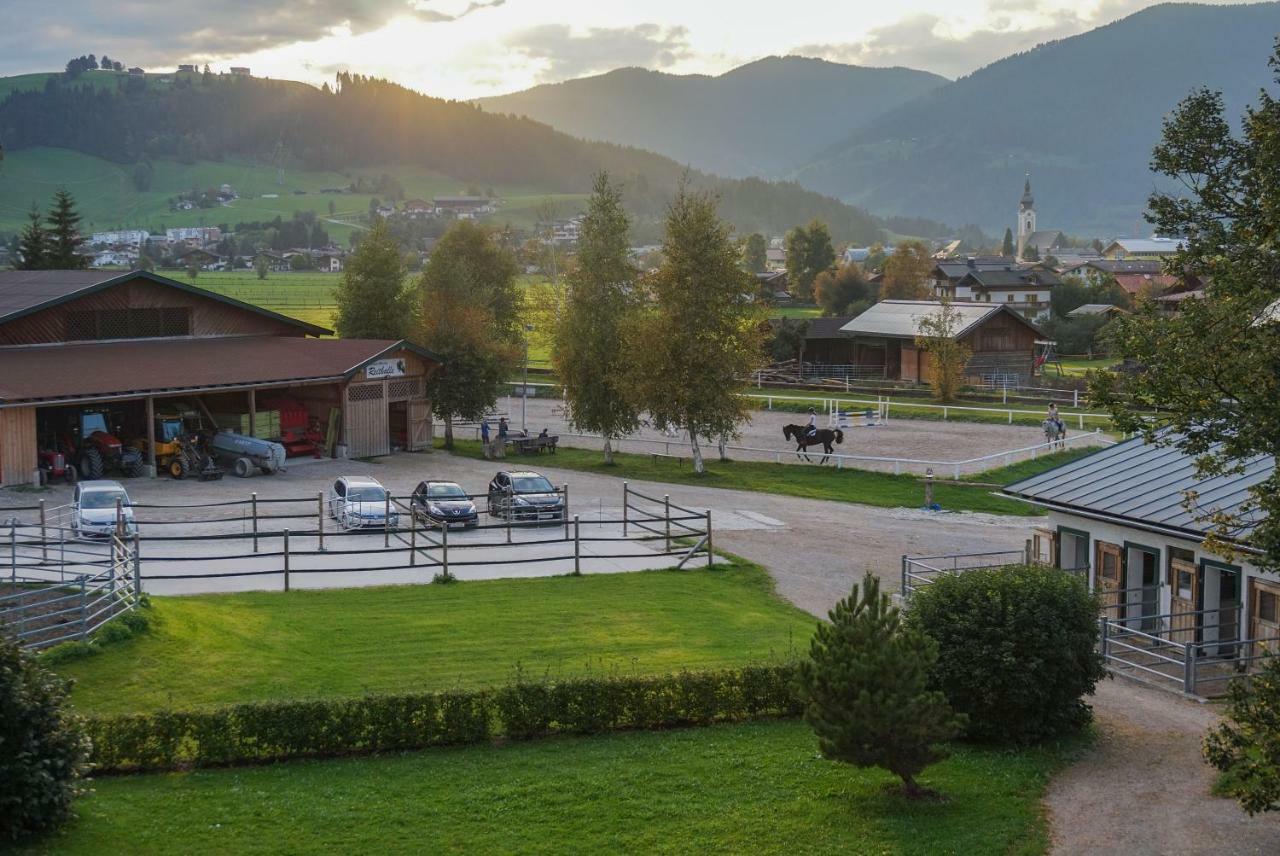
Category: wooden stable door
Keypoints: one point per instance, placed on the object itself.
(1108, 569)
(1184, 602)
(1264, 615)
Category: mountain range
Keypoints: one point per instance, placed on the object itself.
(1081, 115)
(766, 118)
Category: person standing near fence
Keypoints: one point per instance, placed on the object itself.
(484, 437)
(500, 450)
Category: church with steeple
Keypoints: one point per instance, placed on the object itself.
(1034, 245)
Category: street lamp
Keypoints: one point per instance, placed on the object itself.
(524, 383)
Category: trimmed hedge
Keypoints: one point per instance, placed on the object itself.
(276, 731)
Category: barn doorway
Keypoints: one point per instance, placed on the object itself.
(1264, 615)
(1142, 587)
(1184, 595)
(1107, 569)
(398, 425)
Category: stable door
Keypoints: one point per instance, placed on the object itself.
(1108, 571)
(1185, 586)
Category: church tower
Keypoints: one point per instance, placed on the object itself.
(1026, 217)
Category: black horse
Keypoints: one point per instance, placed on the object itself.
(823, 437)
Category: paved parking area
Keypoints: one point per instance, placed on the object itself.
(816, 550)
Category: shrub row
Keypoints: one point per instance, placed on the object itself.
(274, 731)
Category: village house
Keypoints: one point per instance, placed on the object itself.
(1134, 519)
(1141, 248)
(1092, 309)
(1002, 342)
(239, 71)
(1026, 291)
(463, 207)
(946, 274)
(200, 258)
(775, 259)
(273, 261)
(418, 209)
(130, 237)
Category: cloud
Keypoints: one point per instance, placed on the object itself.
(925, 41)
(150, 34)
(565, 54)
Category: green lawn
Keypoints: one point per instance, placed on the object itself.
(846, 485)
(795, 312)
(222, 649)
(757, 787)
(1081, 367)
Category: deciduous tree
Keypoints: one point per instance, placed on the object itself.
(906, 272)
(844, 291)
(866, 684)
(755, 253)
(1211, 373)
(1246, 746)
(372, 300)
(809, 253)
(470, 317)
(601, 295)
(938, 337)
(690, 347)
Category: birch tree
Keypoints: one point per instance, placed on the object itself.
(600, 295)
(698, 336)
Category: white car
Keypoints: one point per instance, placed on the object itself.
(358, 501)
(93, 509)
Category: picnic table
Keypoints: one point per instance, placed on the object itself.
(534, 445)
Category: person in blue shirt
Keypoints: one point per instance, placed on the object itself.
(484, 437)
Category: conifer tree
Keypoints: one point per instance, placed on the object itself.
(33, 243)
(372, 302)
(1007, 248)
(601, 293)
(867, 688)
(64, 234)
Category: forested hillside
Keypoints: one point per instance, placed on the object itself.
(764, 118)
(1081, 115)
(361, 122)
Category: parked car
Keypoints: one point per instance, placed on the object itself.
(525, 496)
(93, 509)
(445, 503)
(358, 501)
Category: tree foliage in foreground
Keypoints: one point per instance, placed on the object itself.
(372, 300)
(600, 295)
(699, 334)
(470, 318)
(948, 356)
(1246, 746)
(866, 685)
(1211, 373)
(43, 750)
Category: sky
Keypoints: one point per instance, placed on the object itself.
(472, 48)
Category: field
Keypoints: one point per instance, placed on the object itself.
(759, 787)
(222, 649)
(1081, 367)
(108, 199)
(847, 485)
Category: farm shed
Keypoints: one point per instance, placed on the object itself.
(1002, 341)
(125, 346)
(1135, 518)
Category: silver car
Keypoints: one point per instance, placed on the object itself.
(360, 501)
(93, 509)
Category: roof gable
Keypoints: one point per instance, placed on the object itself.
(901, 318)
(23, 293)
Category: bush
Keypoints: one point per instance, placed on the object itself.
(1246, 746)
(42, 747)
(523, 710)
(120, 629)
(1016, 649)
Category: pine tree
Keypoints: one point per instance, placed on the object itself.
(33, 243)
(601, 293)
(699, 334)
(372, 302)
(64, 234)
(1007, 248)
(867, 687)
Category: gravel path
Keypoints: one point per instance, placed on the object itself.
(1144, 789)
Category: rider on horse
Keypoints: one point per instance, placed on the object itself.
(813, 423)
(1056, 419)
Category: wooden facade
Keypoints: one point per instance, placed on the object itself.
(382, 412)
(17, 444)
(206, 316)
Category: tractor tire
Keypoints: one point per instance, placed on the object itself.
(132, 469)
(178, 468)
(91, 463)
(243, 468)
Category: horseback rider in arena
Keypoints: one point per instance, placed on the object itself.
(813, 423)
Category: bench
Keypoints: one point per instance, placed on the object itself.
(534, 445)
(659, 456)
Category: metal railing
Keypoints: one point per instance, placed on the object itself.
(918, 571)
(39, 612)
(281, 539)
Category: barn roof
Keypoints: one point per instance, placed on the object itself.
(93, 370)
(1145, 485)
(998, 279)
(23, 292)
(900, 319)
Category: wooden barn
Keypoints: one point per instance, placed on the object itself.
(882, 339)
(127, 344)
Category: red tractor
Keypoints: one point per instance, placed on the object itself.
(92, 447)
